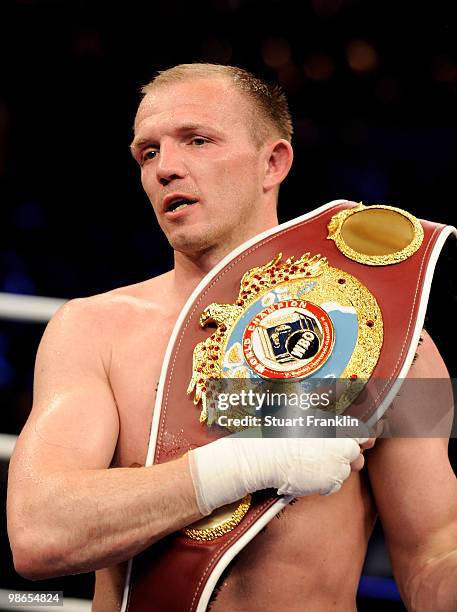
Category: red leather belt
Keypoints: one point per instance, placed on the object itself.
(179, 573)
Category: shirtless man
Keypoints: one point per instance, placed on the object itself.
(201, 137)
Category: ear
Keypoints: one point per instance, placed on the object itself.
(278, 160)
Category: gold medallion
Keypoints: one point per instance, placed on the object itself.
(291, 320)
(220, 522)
(376, 235)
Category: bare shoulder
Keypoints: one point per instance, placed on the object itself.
(419, 419)
(150, 291)
(84, 330)
(109, 309)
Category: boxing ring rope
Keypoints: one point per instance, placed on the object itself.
(7, 443)
(30, 308)
(38, 309)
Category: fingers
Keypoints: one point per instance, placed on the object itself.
(355, 454)
(358, 463)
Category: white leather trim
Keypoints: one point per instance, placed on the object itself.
(125, 595)
(237, 547)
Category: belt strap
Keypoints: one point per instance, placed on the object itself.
(177, 573)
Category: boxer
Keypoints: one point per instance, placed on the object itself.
(213, 146)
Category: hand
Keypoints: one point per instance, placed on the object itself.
(226, 470)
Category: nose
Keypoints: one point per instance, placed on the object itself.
(170, 164)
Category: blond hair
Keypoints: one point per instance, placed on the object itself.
(270, 109)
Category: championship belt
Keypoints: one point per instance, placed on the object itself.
(340, 292)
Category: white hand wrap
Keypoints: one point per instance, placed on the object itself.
(226, 470)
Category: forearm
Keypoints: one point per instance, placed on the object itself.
(87, 519)
(434, 587)
(81, 520)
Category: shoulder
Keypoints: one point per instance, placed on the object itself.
(99, 316)
(423, 407)
(140, 297)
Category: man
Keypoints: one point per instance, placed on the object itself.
(213, 146)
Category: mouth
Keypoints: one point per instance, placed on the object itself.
(173, 204)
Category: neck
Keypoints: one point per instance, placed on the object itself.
(190, 268)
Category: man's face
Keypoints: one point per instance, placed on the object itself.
(199, 164)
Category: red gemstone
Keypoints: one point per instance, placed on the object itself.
(370, 323)
(341, 281)
(353, 377)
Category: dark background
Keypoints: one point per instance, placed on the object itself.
(372, 88)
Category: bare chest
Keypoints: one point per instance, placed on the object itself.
(136, 363)
(313, 552)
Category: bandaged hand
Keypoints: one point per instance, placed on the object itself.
(226, 470)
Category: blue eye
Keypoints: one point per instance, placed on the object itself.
(199, 141)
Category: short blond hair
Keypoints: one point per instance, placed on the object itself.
(270, 109)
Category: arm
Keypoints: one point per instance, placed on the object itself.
(416, 495)
(67, 512)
